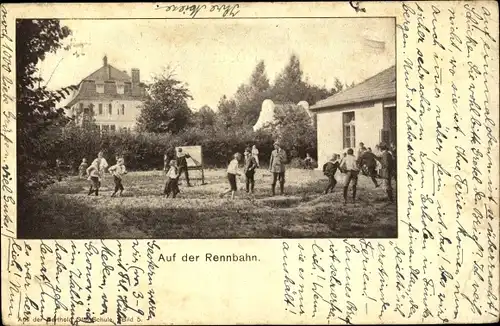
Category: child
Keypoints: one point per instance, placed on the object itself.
(94, 176)
(83, 168)
(349, 166)
(308, 162)
(250, 166)
(329, 169)
(172, 186)
(255, 154)
(368, 163)
(232, 172)
(118, 170)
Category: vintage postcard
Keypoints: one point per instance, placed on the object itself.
(250, 163)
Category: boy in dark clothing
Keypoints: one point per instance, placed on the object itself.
(250, 166)
(368, 160)
(329, 169)
(182, 164)
(171, 186)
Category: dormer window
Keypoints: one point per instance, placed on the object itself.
(99, 87)
(120, 88)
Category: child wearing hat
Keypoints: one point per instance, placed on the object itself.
(277, 167)
(249, 169)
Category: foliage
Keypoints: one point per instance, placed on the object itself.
(144, 151)
(249, 97)
(204, 117)
(39, 122)
(294, 129)
(226, 111)
(165, 108)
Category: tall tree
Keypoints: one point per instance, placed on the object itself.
(39, 121)
(204, 117)
(289, 86)
(165, 108)
(226, 109)
(249, 97)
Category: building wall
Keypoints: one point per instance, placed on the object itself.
(127, 120)
(368, 122)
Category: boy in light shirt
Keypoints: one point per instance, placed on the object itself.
(349, 166)
(118, 170)
(232, 172)
(94, 177)
(172, 184)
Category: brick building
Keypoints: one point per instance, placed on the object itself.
(111, 96)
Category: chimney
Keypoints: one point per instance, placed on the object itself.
(105, 61)
(135, 76)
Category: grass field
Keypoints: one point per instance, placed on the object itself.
(65, 211)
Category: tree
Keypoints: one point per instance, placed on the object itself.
(294, 128)
(249, 97)
(165, 108)
(204, 117)
(289, 86)
(39, 121)
(226, 109)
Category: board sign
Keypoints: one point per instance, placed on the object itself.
(195, 153)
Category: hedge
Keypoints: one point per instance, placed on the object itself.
(144, 151)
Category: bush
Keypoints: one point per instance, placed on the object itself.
(144, 151)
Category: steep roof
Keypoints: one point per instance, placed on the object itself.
(110, 75)
(114, 74)
(378, 87)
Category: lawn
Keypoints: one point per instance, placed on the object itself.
(65, 211)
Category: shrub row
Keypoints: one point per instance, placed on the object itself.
(144, 151)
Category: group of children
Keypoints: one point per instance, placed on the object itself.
(95, 172)
(382, 163)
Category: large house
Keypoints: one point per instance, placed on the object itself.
(363, 113)
(111, 96)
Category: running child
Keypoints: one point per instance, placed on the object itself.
(232, 172)
(94, 177)
(118, 170)
(329, 169)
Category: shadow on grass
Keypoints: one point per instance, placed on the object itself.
(57, 217)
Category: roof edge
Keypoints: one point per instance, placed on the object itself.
(335, 106)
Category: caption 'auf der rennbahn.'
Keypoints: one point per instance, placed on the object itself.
(443, 266)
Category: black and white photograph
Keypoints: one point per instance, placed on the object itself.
(206, 129)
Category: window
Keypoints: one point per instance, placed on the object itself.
(81, 107)
(349, 129)
(112, 128)
(123, 109)
(105, 128)
(99, 87)
(120, 88)
(110, 109)
(100, 109)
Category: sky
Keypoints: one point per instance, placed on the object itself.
(215, 56)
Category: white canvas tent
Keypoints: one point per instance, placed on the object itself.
(267, 112)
